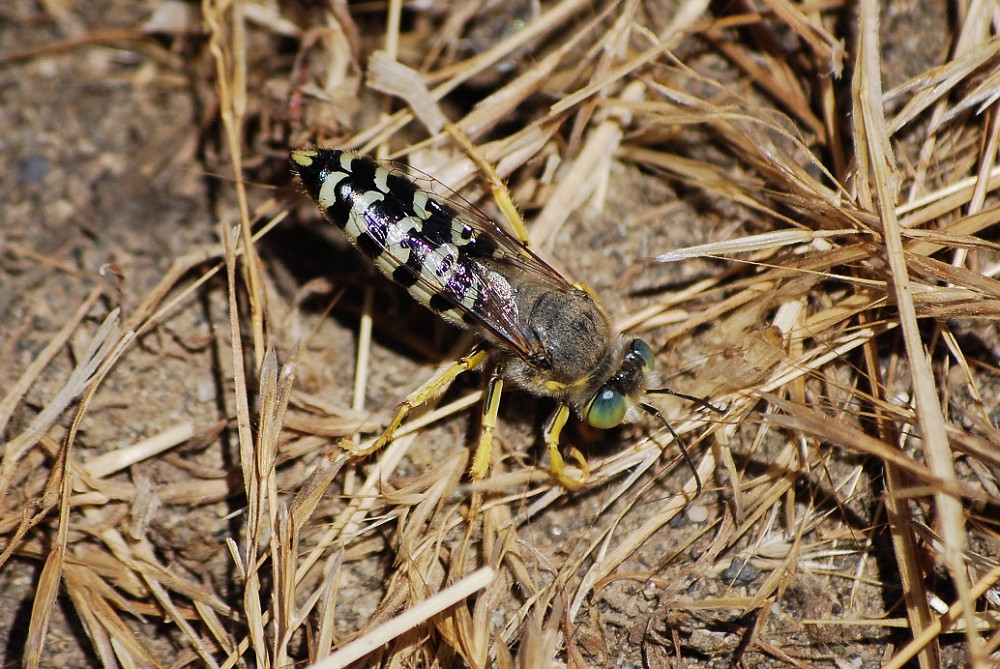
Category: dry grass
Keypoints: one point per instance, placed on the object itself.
(838, 295)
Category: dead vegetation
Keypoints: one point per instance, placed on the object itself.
(796, 204)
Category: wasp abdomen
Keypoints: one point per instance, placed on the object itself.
(414, 239)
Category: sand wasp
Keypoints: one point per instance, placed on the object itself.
(541, 332)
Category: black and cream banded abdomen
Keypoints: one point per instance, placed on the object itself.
(415, 239)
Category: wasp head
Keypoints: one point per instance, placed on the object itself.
(615, 402)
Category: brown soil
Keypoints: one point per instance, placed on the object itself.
(248, 537)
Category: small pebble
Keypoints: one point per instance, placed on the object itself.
(33, 169)
(206, 391)
(740, 573)
(697, 513)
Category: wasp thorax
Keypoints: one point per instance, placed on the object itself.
(599, 373)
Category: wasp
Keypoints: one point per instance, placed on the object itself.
(543, 333)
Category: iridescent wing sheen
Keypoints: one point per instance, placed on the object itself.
(505, 264)
(447, 254)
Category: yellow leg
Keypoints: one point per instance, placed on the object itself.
(431, 388)
(491, 405)
(500, 192)
(557, 466)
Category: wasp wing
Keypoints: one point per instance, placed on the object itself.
(448, 255)
(502, 265)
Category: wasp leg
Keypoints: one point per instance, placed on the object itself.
(431, 388)
(500, 192)
(557, 466)
(491, 405)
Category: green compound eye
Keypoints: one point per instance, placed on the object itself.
(642, 349)
(607, 409)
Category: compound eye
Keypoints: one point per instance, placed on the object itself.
(607, 409)
(643, 350)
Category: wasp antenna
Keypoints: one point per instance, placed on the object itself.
(654, 412)
(691, 398)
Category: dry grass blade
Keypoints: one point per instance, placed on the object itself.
(15, 394)
(98, 353)
(419, 613)
(873, 133)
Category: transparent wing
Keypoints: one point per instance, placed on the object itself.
(474, 265)
(448, 254)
